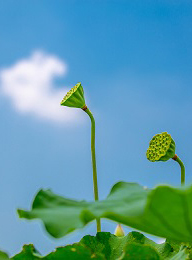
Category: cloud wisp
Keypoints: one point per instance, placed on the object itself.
(29, 85)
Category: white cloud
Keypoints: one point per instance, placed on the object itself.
(30, 87)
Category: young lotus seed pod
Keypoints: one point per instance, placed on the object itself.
(119, 232)
(161, 148)
(75, 97)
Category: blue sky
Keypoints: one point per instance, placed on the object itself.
(134, 59)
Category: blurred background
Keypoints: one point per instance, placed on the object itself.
(134, 60)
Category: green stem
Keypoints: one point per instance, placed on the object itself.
(182, 170)
(95, 186)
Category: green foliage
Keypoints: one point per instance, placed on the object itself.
(60, 215)
(164, 211)
(28, 252)
(113, 247)
(105, 246)
(72, 252)
(139, 252)
(3, 256)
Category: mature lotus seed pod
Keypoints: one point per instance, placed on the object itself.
(161, 148)
(75, 97)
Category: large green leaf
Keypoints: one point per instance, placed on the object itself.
(105, 246)
(3, 256)
(113, 247)
(139, 252)
(164, 211)
(72, 252)
(182, 255)
(28, 252)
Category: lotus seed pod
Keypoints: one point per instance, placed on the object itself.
(75, 97)
(119, 232)
(161, 148)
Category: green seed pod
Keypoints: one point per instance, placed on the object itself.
(75, 97)
(161, 148)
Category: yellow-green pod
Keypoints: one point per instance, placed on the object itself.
(75, 97)
(161, 148)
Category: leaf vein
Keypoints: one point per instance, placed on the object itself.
(165, 223)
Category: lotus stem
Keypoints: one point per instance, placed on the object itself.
(95, 185)
(177, 159)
